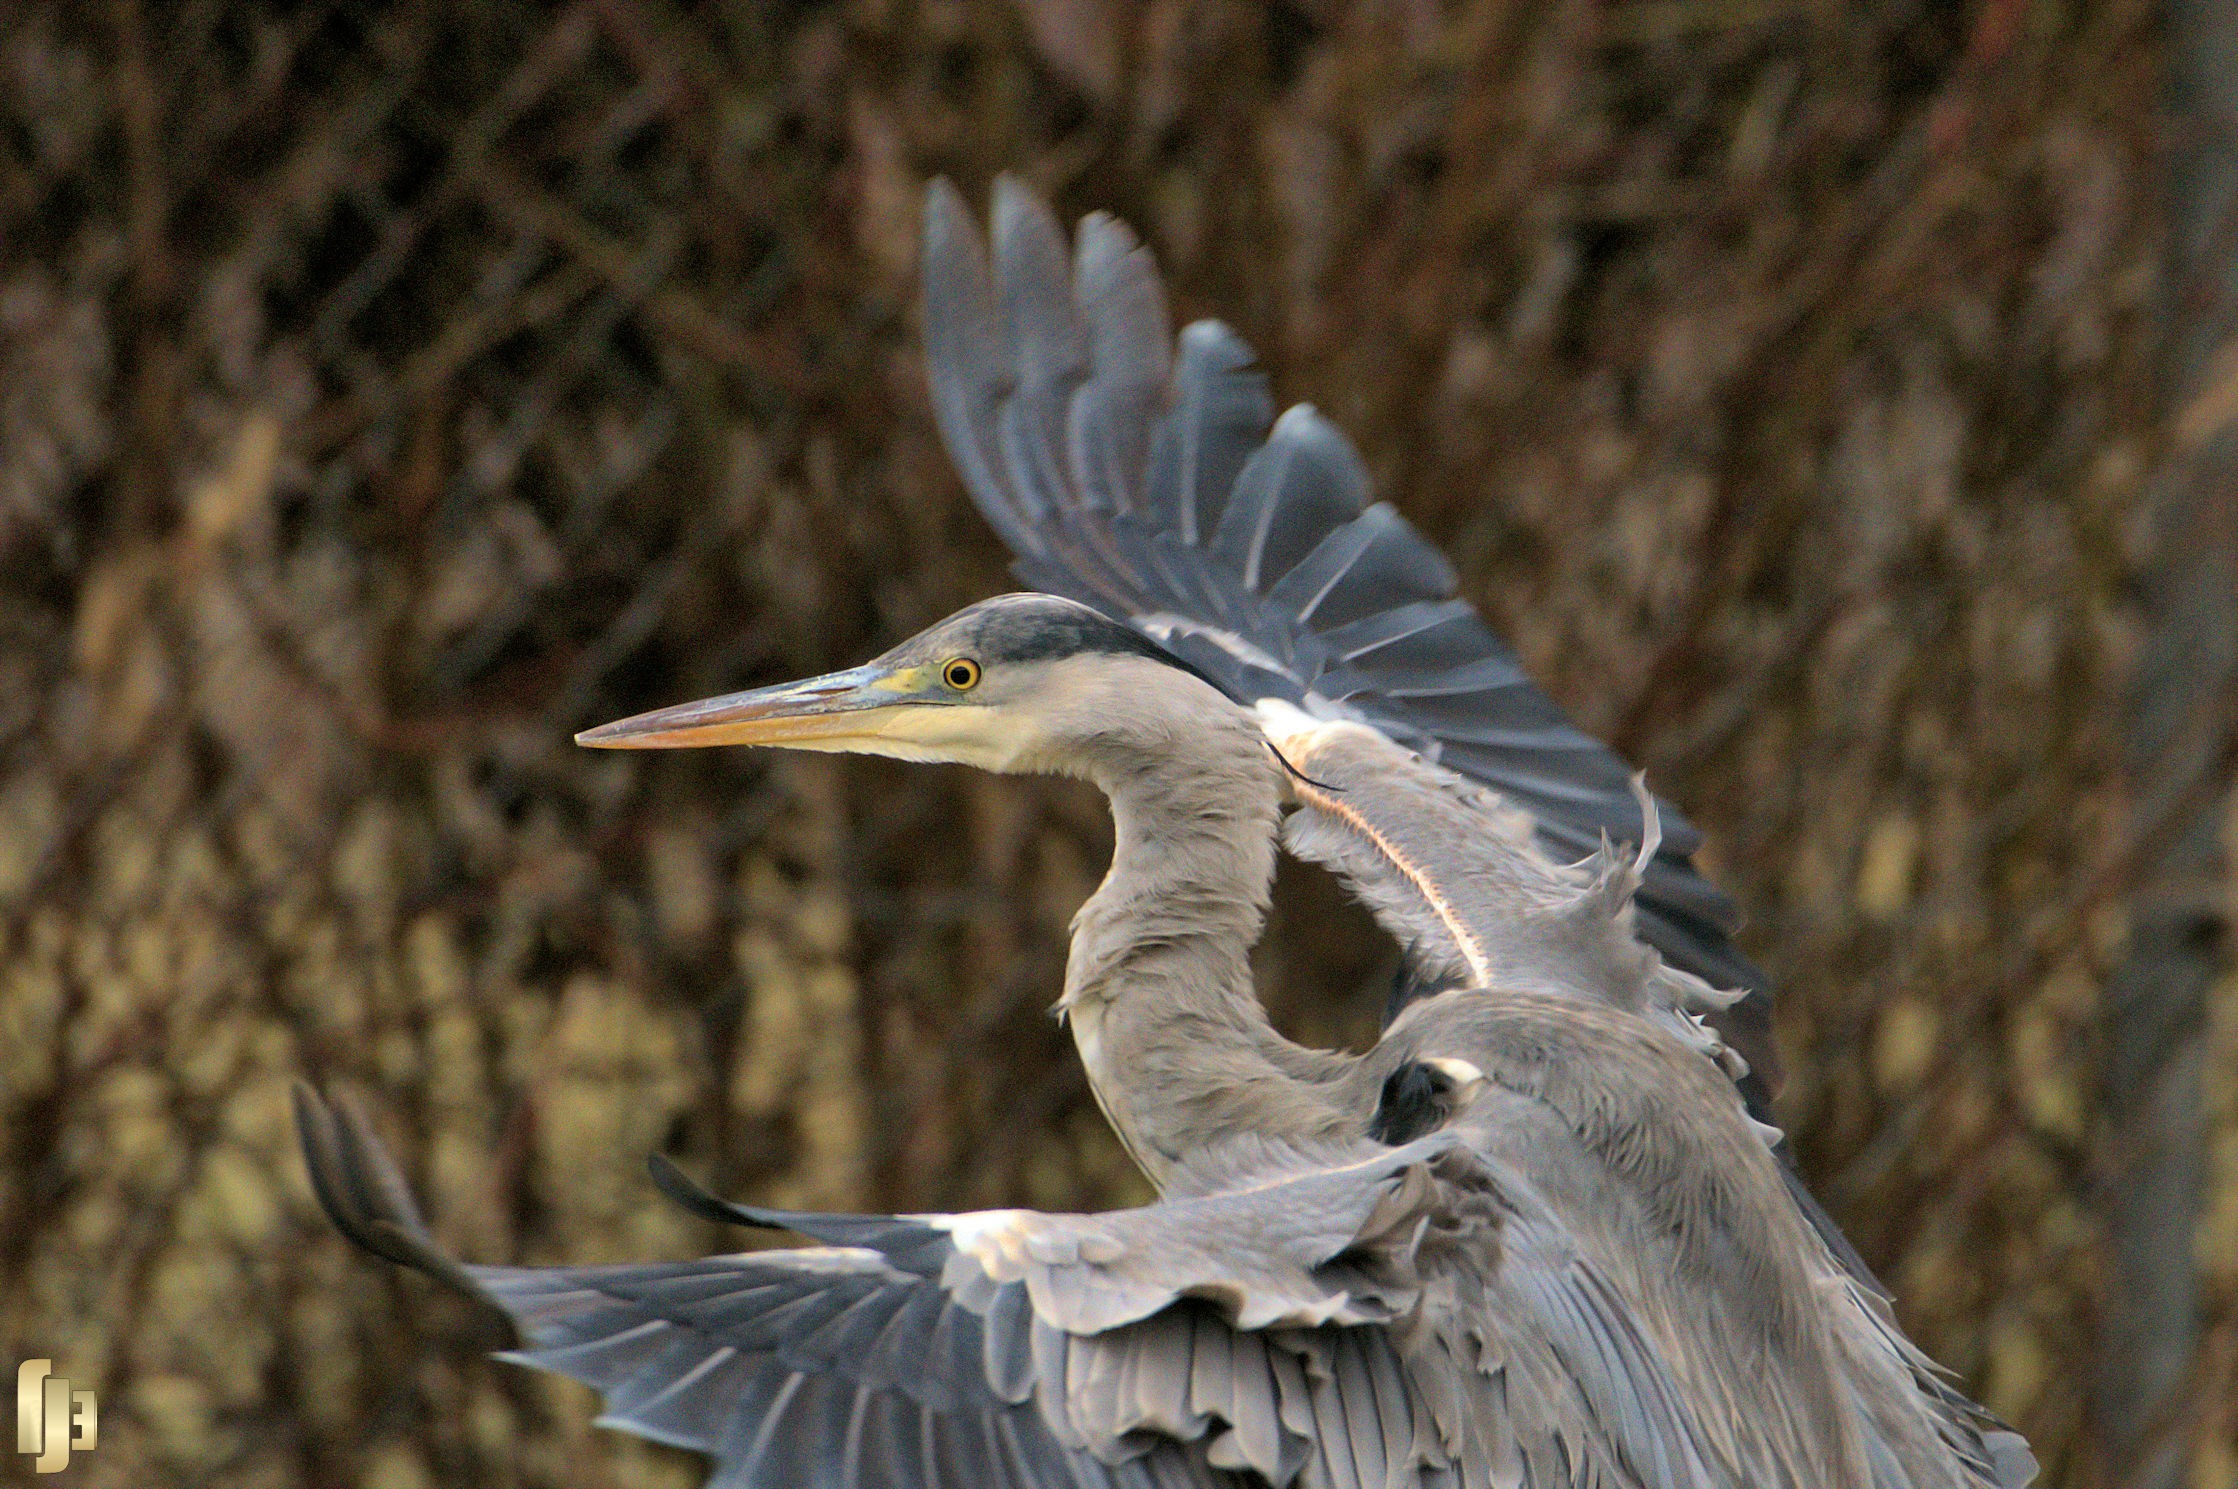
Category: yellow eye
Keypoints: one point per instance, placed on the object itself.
(961, 673)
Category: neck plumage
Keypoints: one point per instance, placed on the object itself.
(1158, 987)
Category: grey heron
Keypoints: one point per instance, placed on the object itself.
(1532, 1237)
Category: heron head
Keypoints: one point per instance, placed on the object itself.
(1023, 682)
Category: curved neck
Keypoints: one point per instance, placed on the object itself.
(1158, 986)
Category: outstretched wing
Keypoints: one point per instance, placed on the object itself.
(1149, 484)
(1357, 1320)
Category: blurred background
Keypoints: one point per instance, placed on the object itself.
(1831, 400)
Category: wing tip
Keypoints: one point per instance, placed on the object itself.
(1021, 214)
(687, 1193)
(948, 225)
(1214, 336)
(1103, 238)
(362, 1191)
(943, 195)
(1305, 428)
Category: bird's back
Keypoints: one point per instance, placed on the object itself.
(1647, 1176)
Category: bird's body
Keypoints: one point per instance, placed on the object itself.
(1532, 1237)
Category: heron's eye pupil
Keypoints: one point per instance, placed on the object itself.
(962, 674)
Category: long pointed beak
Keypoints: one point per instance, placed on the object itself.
(854, 703)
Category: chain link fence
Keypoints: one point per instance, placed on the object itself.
(389, 390)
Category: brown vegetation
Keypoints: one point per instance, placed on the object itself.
(389, 390)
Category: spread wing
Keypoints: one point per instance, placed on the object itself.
(1366, 1318)
(1147, 482)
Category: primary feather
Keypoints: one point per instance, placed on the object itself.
(1160, 494)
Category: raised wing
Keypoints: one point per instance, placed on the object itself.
(1461, 876)
(1153, 488)
(1371, 1318)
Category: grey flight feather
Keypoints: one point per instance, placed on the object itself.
(1253, 553)
(1345, 1316)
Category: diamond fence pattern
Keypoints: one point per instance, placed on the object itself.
(389, 390)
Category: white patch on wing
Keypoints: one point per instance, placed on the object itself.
(995, 1239)
(847, 1259)
(1006, 1242)
(1293, 728)
(1164, 625)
